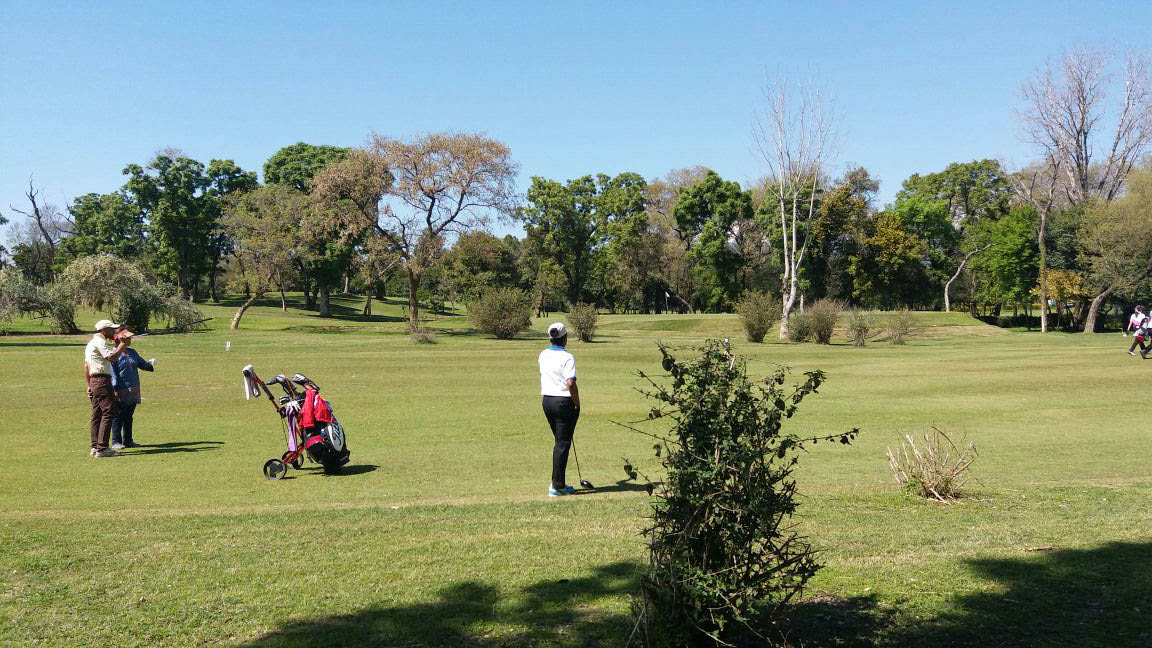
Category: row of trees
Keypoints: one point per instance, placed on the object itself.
(410, 217)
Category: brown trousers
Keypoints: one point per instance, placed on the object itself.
(104, 408)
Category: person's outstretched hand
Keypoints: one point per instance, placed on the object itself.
(152, 361)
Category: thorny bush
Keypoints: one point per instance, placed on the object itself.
(724, 558)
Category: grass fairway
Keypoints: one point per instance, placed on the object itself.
(441, 533)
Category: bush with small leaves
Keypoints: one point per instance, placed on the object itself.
(799, 327)
(901, 326)
(501, 312)
(122, 289)
(859, 327)
(583, 318)
(936, 468)
(822, 317)
(758, 312)
(723, 557)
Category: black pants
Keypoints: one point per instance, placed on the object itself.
(1137, 341)
(122, 424)
(562, 416)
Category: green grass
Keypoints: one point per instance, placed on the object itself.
(441, 534)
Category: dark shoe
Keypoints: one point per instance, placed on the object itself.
(132, 444)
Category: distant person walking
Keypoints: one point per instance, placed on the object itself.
(561, 403)
(1139, 322)
(102, 350)
(126, 382)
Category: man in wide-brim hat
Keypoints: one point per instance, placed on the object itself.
(99, 354)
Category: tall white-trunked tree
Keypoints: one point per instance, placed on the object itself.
(794, 135)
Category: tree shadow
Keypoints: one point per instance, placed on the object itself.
(174, 446)
(1100, 596)
(6, 343)
(471, 613)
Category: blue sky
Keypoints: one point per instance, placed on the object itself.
(572, 87)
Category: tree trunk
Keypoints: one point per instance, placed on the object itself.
(1043, 273)
(243, 307)
(368, 306)
(325, 307)
(786, 309)
(413, 305)
(308, 303)
(1094, 309)
(347, 283)
(283, 300)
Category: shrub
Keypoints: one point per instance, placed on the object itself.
(722, 553)
(423, 335)
(937, 469)
(583, 318)
(502, 312)
(859, 327)
(799, 326)
(901, 326)
(822, 316)
(107, 283)
(18, 296)
(759, 312)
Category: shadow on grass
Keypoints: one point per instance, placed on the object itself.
(6, 343)
(472, 613)
(175, 446)
(358, 469)
(1101, 596)
(621, 486)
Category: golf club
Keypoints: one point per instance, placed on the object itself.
(584, 483)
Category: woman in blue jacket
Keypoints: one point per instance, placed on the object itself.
(126, 382)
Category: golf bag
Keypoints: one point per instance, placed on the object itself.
(309, 424)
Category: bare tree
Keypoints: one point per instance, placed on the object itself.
(50, 223)
(1064, 116)
(415, 193)
(264, 226)
(794, 135)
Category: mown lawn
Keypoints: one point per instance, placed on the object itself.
(441, 533)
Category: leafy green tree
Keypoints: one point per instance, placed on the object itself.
(888, 272)
(1006, 271)
(104, 223)
(1116, 244)
(180, 200)
(942, 208)
(707, 215)
(478, 261)
(840, 216)
(297, 164)
(569, 223)
(330, 255)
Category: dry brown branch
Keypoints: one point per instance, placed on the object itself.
(936, 469)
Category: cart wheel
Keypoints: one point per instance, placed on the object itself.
(275, 469)
(295, 464)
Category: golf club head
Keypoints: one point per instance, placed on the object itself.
(584, 483)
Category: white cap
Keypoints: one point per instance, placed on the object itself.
(556, 330)
(103, 324)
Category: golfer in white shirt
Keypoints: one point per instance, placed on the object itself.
(561, 403)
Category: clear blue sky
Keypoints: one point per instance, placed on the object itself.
(572, 87)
